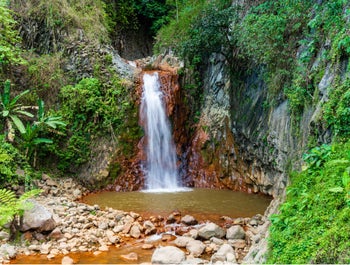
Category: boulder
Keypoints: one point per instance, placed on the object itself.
(235, 232)
(38, 218)
(225, 253)
(182, 241)
(135, 231)
(195, 248)
(168, 255)
(149, 227)
(211, 230)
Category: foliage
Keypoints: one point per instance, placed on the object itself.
(57, 18)
(92, 108)
(337, 109)
(314, 220)
(11, 111)
(12, 208)
(32, 137)
(11, 160)
(10, 53)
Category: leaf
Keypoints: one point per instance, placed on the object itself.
(16, 98)
(5, 113)
(42, 141)
(336, 189)
(7, 197)
(26, 113)
(18, 123)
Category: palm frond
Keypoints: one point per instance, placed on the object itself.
(7, 197)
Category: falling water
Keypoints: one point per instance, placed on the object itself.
(161, 172)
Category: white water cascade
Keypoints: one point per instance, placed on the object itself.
(160, 169)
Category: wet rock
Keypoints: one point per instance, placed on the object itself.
(103, 248)
(189, 220)
(192, 233)
(135, 231)
(66, 260)
(235, 232)
(149, 227)
(56, 233)
(195, 247)
(171, 219)
(211, 230)
(38, 218)
(147, 246)
(168, 255)
(130, 257)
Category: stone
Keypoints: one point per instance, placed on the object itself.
(147, 246)
(77, 193)
(66, 260)
(149, 227)
(195, 248)
(195, 261)
(56, 233)
(235, 232)
(37, 218)
(8, 251)
(103, 248)
(130, 257)
(135, 231)
(182, 241)
(111, 237)
(171, 219)
(223, 254)
(192, 233)
(189, 220)
(103, 225)
(168, 255)
(237, 243)
(211, 230)
(4, 235)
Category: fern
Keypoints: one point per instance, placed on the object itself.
(11, 206)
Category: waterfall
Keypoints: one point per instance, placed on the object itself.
(160, 169)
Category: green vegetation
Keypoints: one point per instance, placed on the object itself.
(10, 53)
(12, 208)
(314, 222)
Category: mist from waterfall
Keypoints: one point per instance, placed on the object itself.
(160, 169)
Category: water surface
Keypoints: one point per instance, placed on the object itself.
(205, 204)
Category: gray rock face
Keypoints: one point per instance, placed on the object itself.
(168, 255)
(235, 232)
(211, 230)
(38, 218)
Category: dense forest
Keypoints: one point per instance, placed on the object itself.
(61, 96)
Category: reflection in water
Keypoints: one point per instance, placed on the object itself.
(197, 202)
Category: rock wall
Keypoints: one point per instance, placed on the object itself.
(242, 144)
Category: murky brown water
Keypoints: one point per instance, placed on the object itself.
(204, 204)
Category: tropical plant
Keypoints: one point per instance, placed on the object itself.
(11, 111)
(32, 136)
(12, 208)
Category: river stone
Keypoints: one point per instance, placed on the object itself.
(182, 241)
(189, 220)
(235, 232)
(4, 235)
(224, 254)
(168, 255)
(211, 230)
(135, 231)
(8, 251)
(67, 261)
(37, 218)
(130, 257)
(195, 248)
(149, 227)
(111, 237)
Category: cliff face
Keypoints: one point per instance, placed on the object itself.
(242, 144)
